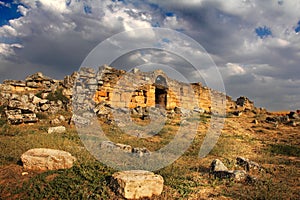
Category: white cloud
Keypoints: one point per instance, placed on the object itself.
(277, 43)
(8, 31)
(234, 69)
(175, 22)
(22, 10)
(7, 50)
(178, 3)
(55, 5)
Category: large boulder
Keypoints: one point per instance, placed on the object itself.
(47, 159)
(219, 170)
(137, 184)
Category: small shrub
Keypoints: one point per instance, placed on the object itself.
(57, 95)
(39, 94)
(42, 116)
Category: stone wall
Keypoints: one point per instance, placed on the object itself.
(22, 100)
(147, 89)
(109, 88)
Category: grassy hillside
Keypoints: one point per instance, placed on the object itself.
(276, 149)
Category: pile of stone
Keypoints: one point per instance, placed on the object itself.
(23, 108)
(245, 103)
(33, 83)
(219, 170)
(22, 100)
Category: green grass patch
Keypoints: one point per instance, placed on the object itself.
(57, 95)
(84, 181)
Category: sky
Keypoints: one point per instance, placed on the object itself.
(255, 44)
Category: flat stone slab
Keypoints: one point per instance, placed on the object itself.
(137, 184)
(47, 159)
(57, 129)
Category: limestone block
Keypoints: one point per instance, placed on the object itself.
(45, 107)
(57, 129)
(36, 100)
(47, 159)
(30, 118)
(137, 184)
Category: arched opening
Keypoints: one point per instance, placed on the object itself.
(161, 92)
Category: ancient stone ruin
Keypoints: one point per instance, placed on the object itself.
(105, 89)
(146, 89)
(22, 101)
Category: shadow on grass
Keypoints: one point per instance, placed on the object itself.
(283, 149)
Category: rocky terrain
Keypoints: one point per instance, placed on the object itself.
(257, 155)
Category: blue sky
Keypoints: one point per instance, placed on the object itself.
(8, 10)
(255, 44)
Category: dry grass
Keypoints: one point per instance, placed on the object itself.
(276, 149)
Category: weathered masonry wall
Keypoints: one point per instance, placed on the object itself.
(149, 89)
(20, 101)
(107, 87)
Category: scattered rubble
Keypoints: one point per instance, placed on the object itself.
(291, 119)
(219, 170)
(135, 151)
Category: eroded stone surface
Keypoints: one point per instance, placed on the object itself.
(47, 159)
(57, 129)
(137, 184)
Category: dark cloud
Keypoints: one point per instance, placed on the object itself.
(254, 43)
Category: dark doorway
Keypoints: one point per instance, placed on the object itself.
(160, 92)
(160, 98)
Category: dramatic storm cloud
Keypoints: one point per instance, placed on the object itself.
(255, 44)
